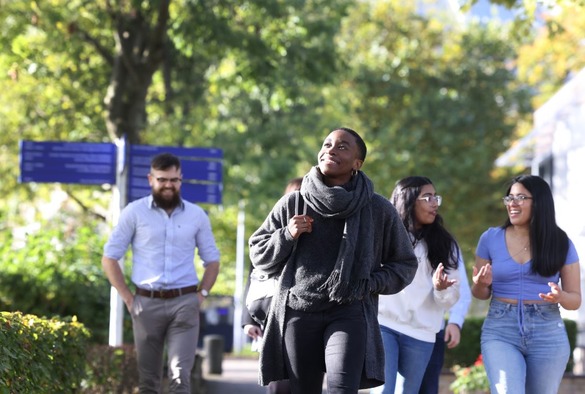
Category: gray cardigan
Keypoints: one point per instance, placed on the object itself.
(271, 246)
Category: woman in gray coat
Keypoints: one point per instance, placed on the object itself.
(333, 261)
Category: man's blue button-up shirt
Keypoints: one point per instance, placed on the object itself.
(163, 246)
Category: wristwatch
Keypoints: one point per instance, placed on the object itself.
(204, 292)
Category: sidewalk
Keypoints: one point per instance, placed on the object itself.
(239, 375)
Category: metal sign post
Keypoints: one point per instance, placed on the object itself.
(119, 201)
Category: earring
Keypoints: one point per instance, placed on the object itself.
(354, 172)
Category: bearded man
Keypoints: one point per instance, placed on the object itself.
(164, 231)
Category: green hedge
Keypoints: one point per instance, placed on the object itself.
(41, 356)
(56, 275)
(470, 347)
(110, 369)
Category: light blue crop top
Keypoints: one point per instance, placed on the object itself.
(509, 278)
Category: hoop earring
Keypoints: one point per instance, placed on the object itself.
(354, 172)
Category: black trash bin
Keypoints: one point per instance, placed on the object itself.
(213, 347)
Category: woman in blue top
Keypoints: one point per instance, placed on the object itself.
(523, 341)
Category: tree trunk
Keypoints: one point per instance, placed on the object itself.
(139, 54)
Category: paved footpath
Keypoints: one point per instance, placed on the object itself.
(239, 376)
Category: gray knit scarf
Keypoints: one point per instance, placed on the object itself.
(349, 279)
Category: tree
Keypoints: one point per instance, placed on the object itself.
(265, 81)
(435, 100)
(186, 73)
(160, 72)
(531, 14)
(547, 62)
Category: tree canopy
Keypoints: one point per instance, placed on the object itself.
(265, 81)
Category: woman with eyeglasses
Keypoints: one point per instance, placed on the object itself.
(410, 319)
(518, 265)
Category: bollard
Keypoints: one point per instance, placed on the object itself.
(213, 345)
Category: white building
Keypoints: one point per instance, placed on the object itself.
(555, 150)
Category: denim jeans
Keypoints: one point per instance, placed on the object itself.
(525, 348)
(406, 361)
(332, 341)
(430, 381)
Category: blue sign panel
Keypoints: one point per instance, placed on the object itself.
(201, 168)
(195, 192)
(196, 170)
(67, 162)
(95, 164)
(182, 153)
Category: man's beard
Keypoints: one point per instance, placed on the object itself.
(164, 202)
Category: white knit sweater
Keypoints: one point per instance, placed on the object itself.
(418, 310)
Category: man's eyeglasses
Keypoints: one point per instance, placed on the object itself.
(174, 181)
(519, 200)
(430, 199)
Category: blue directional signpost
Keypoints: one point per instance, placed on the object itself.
(95, 164)
(201, 168)
(67, 162)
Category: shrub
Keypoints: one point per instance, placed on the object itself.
(56, 274)
(39, 355)
(470, 379)
(466, 352)
(111, 370)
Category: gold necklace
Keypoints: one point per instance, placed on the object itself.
(520, 251)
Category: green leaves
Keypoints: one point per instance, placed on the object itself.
(40, 355)
(264, 81)
(433, 100)
(56, 272)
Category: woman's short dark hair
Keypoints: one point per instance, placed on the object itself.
(359, 141)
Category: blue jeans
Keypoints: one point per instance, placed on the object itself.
(406, 361)
(430, 382)
(525, 348)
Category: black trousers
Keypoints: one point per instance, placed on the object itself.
(332, 341)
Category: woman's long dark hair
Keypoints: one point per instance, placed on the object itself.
(549, 244)
(442, 246)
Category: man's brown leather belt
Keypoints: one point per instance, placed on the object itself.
(171, 293)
